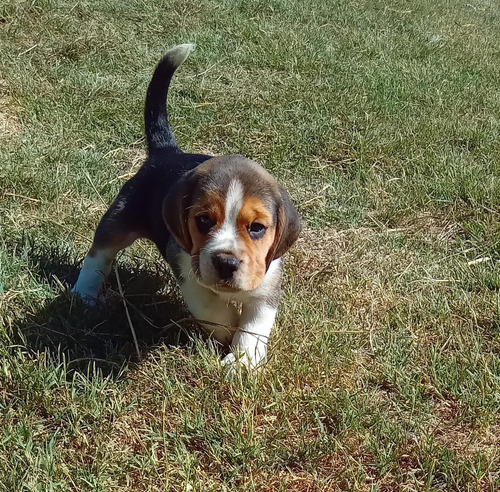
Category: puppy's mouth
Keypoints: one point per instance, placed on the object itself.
(217, 285)
(220, 285)
(224, 287)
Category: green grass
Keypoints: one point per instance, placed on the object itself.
(382, 120)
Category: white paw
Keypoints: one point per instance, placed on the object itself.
(91, 280)
(232, 363)
(90, 299)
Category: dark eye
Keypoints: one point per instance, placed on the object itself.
(257, 230)
(204, 223)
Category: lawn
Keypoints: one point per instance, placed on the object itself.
(382, 119)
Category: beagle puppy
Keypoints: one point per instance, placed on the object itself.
(222, 223)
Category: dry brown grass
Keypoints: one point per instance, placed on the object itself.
(9, 122)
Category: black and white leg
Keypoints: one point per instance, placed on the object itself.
(113, 234)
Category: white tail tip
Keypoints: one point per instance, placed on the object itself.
(179, 53)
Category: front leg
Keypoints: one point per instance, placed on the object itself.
(249, 345)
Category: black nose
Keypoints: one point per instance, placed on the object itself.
(225, 265)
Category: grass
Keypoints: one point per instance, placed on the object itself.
(381, 119)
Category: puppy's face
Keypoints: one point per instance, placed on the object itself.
(233, 219)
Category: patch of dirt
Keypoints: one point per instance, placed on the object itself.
(9, 123)
(356, 268)
(364, 249)
(206, 149)
(128, 159)
(439, 228)
(464, 440)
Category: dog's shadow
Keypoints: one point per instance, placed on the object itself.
(102, 336)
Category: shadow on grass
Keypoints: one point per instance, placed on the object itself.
(101, 337)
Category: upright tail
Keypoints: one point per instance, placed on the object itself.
(158, 132)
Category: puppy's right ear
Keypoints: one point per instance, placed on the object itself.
(176, 209)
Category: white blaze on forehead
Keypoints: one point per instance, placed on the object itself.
(234, 200)
(226, 236)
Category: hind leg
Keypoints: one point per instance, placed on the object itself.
(115, 232)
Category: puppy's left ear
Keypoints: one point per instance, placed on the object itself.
(176, 209)
(288, 227)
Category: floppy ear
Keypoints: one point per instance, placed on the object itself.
(287, 228)
(176, 207)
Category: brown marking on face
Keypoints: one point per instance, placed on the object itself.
(210, 203)
(254, 210)
(201, 193)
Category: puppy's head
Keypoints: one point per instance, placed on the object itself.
(233, 219)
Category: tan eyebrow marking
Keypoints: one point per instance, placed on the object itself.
(212, 203)
(252, 210)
